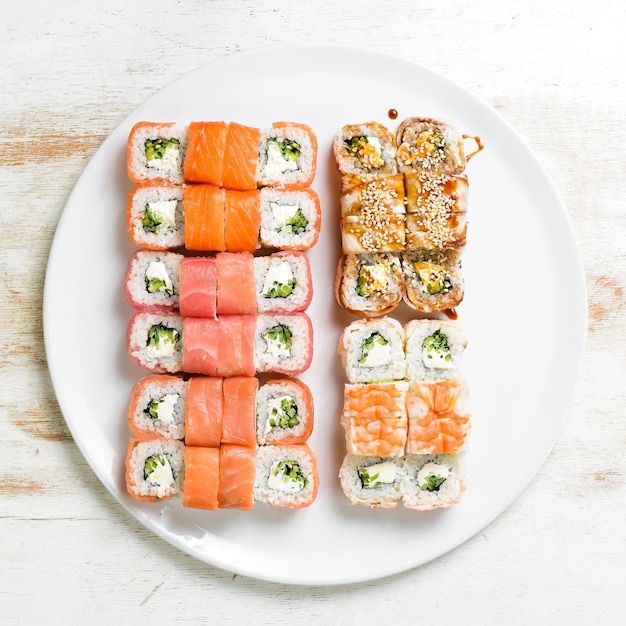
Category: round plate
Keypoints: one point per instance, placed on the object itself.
(523, 277)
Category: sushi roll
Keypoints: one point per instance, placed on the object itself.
(283, 343)
(242, 220)
(365, 150)
(157, 407)
(286, 475)
(237, 470)
(284, 412)
(282, 282)
(436, 210)
(198, 287)
(372, 350)
(205, 210)
(202, 478)
(152, 279)
(432, 481)
(204, 160)
(432, 279)
(369, 284)
(434, 349)
(374, 419)
(290, 218)
(371, 481)
(438, 416)
(239, 417)
(204, 412)
(155, 216)
(431, 145)
(156, 151)
(155, 468)
(373, 216)
(154, 341)
(287, 155)
(236, 290)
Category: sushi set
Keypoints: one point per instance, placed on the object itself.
(203, 426)
(405, 412)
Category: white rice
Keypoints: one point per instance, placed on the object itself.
(173, 451)
(301, 344)
(137, 278)
(138, 341)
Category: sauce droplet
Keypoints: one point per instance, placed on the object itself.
(451, 314)
(392, 113)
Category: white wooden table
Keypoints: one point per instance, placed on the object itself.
(71, 71)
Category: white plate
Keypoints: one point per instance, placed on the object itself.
(524, 279)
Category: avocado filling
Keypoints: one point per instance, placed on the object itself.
(372, 279)
(158, 471)
(366, 149)
(435, 278)
(287, 476)
(436, 351)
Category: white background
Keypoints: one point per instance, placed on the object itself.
(71, 72)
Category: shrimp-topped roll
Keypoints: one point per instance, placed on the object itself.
(373, 216)
(152, 280)
(283, 343)
(366, 150)
(284, 412)
(157, 407)
(155, 468)
(433, 280)
(155, 216)
(290, 218)
(372, 481)
(432, 481)
(283, 282)
(372, 350)
(374, 418)
(431, 145)
(436, 210)
(286, 475)
(438, 416)
(155, 341)
(369, 284)
(156, 150)
(287, 155)
(434, 349)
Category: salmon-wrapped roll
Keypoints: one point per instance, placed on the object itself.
(369, 284)
(155, 468)
(430, 145)
(286, 475)
(157, 407)
(436, 210)
(284, 412)
(205, 410)
(155, 216)
(198, 287)
(239, 418)
(433, 280)
(156, 150)
(287, 155)
(432, 481)
(202, 478)
(374, 419)
(373, 216)
(438, 416)
(365, 150)
(372, 481)
(237, 472)
(236, 290)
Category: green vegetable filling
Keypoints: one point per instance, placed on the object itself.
(160, 335)
(152, 221)
(437, 345)
(291, 471)
(287, 416)
(435, 278)
(156, 285)
(280, 290)
(369, 481)
(296, 224)
(354, 144)
(432, 482)
(280, 335)
(152, 464)
(156, 148)
(370, 343)
(367, 283)
(289, 149)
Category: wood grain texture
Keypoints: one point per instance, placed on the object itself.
(72, 71)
